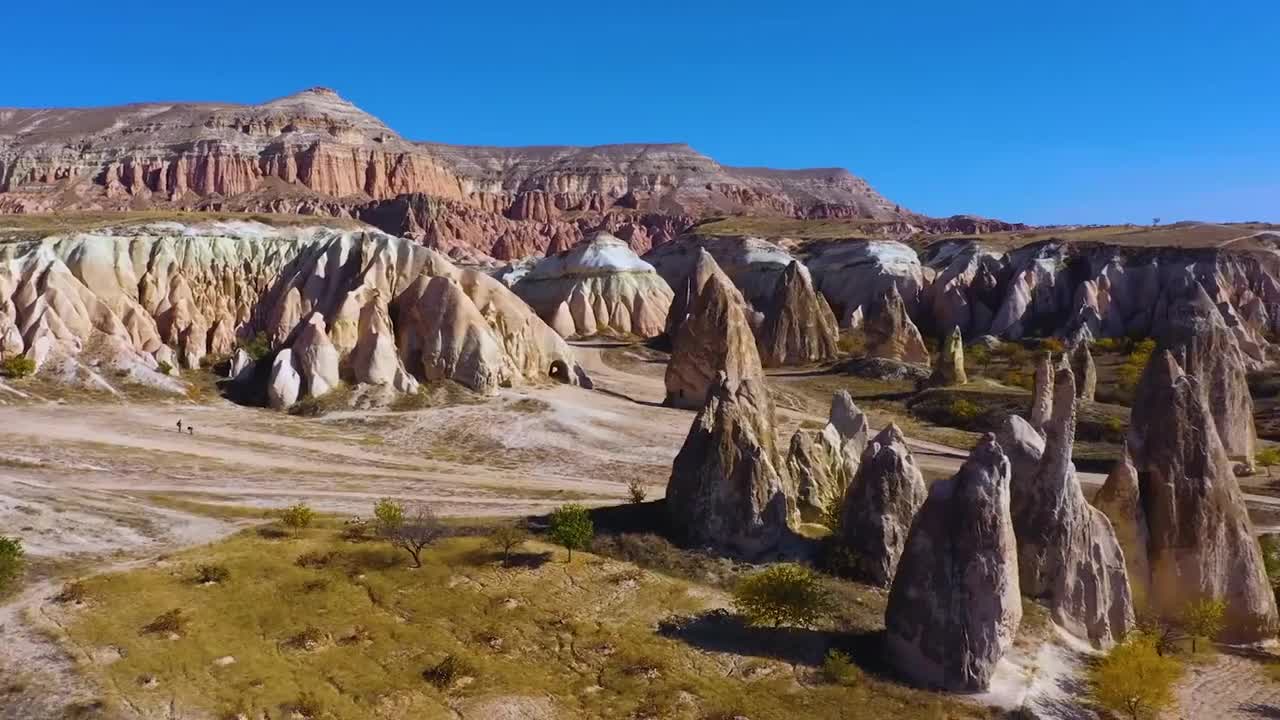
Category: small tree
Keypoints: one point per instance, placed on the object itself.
(1203, 619)
(411, 529)
(12, 561)
(571, 527)
(785, 594)
(298, 516)
(506, 538)
(637, 490)
(1267, 458)
(1155, 221)
(1134, 679)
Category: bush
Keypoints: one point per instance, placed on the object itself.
(314, 560)
(355, 530)
(164, 368)
(12, 561)
(963, 411)
(271, 532)
(17, 366)
(172, 622)
(506, 538)
(258, 346)
(571, 527)
(211, 574)
(1203, 619)
(838, 669)
(308, 706)
(309, 638)
(448, 671)
(784, 594)
(73, 592)
(1053, 345)
(1267, 458)
(296, 517)
(636, 490)
(1134, 679)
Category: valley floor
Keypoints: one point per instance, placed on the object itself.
(110, 486)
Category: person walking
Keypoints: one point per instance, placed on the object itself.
(179, 424)
(191, 430)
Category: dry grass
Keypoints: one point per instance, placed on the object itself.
(376, 637)
(35, 226)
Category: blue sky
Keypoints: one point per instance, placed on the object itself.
(1044, 112)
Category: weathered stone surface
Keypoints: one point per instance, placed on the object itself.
(1200, 541)
(714, 337)
(822, 463)
(727, 489)
(240, 363)
(1042, 394)
(1086, 373)
(954, 606)
(315, 357)
(891, 334)
(285, 385)
(1120, 499)
(799, 327)
(1192, 328)
(880, 505)
(1069, 558)
(598, 288)
(950, 370)
(854, 276)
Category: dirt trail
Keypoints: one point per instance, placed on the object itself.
(1232, 687)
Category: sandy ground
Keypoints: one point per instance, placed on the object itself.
(90, 487)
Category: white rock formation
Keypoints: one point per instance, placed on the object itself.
(285, 386)
(599, 287)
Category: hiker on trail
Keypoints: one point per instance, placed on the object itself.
(191, 429)
(179, 424)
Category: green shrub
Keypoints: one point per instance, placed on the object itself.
(297, 517)
(17, 366)
(1267, 458)
(963, 411)
(258, 346)
(571, 528)
(315, 560)
(164, 368)
(785, 594)
(636, 490)
(838, 669)
(1053, 345)
(211, 574)
(1134, 679)
(1204, 619)
(448, 671)
(12, 561)
(506, 538)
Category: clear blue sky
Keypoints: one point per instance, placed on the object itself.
(1040, 111)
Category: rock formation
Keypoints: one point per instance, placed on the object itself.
(1042, 394)
(132, 295)
(954, 606)
(1069, 558)
(1120, 499)
(855, 276)
(1086, 373)
(1198, 537)
(950, 370)
(598, 288)
(881, 503)
(798, 327)
(890, 333)
(728, 489)
(822, 463)
(754, 265)
(1192, 328)
(714, 337)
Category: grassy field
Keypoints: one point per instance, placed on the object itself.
(318, 626)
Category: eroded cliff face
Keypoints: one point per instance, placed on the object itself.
(360, 306)
(316, 153)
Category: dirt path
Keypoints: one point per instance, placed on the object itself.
(1232, 687)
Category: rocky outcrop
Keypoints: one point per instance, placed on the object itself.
(1192, 328)
(285, 385)
(798, 327)
(126, 294)
(754, 265)
(854, 276)
(822, 463)
(713, 337)
(1042, 392)
(880, 505)
(1069, 558)
(598, 288)
(1084, 370)
(728, 489)
(1120, 499)
(954, 606)
(950, 369)
(890, 333)
(1198, 537)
